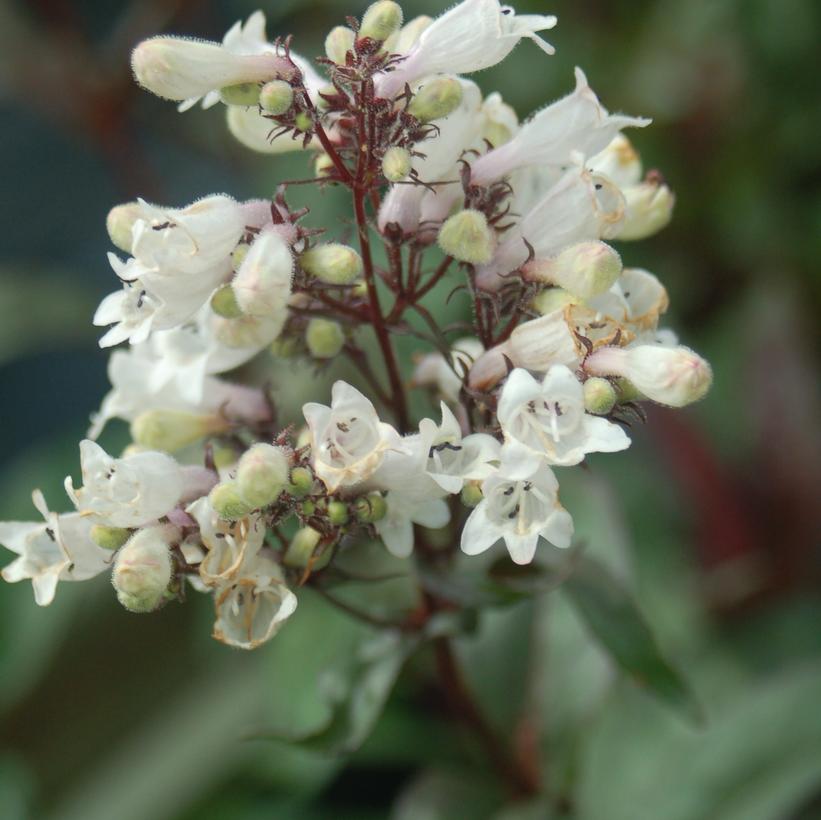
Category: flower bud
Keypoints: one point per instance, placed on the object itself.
(337, 513)
(172, 430)
(584, 270)
(649, 208)
(248, 331)
(551, 299)
(626, 391)
(109, 538)
(338, 43)
(284, 348)
(436, 99)
(263, 282)
(323, 165)
(240, 94)
(224, 303)
(307, 508)
(332, 263)
(142, 571)
(238, 255)
(262, 474)
(380, 20)
(466, 236)
(674, 376)
(324, 337)
(396, 163)
(120, 221)
(599, 396)
(542, 342)
(304, 122)
(300, 552)
(302, 482)
(370, 508)
(227, 502)
(276, 97)
(472, 493)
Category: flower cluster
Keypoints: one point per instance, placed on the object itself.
(213, 493)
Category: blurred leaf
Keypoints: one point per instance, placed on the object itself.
(16, 788)
(441, 795)
(538, 809)
(613, 617)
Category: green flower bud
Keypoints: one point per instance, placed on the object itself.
(303, 122)
(332, 263)
(227, 502)
(337, 513)
(174, 429)
(381, 20)
(109, 538)
(396, 164)
(466, 236)
(224, 303)
(585, 269)
(370, 508)
(599, 396)
(627, 391)
(436, 99)
(224, 457)
(324, 337)
(472, 493)
(240, 94)
(119, 222)
(262, 474)
(238, 256)
(338, 43)
(307, 508)
(276, 97)
(302, 482)
(284, 347)
(300, 551)
(142, 571)
(550, 299)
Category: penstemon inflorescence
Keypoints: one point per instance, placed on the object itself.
(563, 346)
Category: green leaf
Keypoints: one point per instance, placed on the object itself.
(444, 795)
(614, 619)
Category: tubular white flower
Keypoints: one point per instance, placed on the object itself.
(127, 492)
(675, 376)
(60, 549)
(649, 208)
(262, 285)
(395, 528)
(473, 35)
(348, 441)
(519, 512)
(576, 123)
(452, 459)
(548, 421)
(636, 300)
(432, 370)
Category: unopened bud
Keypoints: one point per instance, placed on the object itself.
(248, 331)
(303, 122)
(466, 236)
(551, 299)
(332, 263)
(119, 222)
(142, 571)
(323, 165)
(370, 508)
(224, 302)
(674, 376)
(599, 396)
(302, 482)
(436, 99)
(172, 430)
(626, 391)
(227, 501)
(240, 94)
(109, 538)
(542, 342)
(263, 282)
(307, 508)
(381, 20)
(649, 208)
(284, 347)
(301, 551)
(262, 474)
(472, 493)
(584, 270)
(324, 338)
(337, 513)
(396, 164)
(276, 97)
(338, 43)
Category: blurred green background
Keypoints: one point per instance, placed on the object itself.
(713, 515)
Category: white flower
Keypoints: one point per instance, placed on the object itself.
(396, 528)
(451, 459)
(674, 376)
(251, 610)
(348, 441)
(637, 299)
(61, 549)
(520, 512)
(547, 421)
(473, 35)
(177, 68)
(432, 370)
(576, 123)
(262, 285)
(579, 206)
(127, 492)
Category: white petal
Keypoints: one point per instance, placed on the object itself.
(479, 532)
